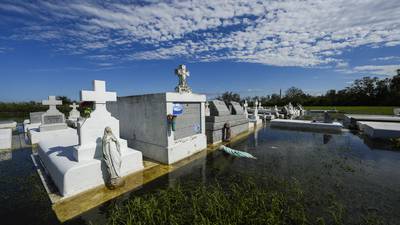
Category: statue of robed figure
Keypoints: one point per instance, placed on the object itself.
(112, 158)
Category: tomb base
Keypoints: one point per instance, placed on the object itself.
(72, 177)
(35, 135)
(181, 149)
(215, 124)
(5, 138)
(54, 126)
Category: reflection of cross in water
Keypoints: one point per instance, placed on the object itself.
(52, 102)
(99, 96)
(74, 106)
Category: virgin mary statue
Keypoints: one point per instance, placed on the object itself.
(112, 157)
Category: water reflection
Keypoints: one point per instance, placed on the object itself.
(356, 172)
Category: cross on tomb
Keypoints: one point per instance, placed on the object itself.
(74, 106)
(99, 95)
(52, 102)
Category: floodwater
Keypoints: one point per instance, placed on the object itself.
(360, 176)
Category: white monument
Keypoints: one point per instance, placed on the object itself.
(52, 119)
(73, 115)
(52, 123)
(166, 127)
(75, 162)
(255, 118)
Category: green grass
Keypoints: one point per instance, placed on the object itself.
(373, 110)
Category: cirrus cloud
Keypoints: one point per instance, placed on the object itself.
(305, 33)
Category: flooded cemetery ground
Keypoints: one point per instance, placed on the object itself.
(297, 178)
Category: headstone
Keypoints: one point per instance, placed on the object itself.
(74, 114)
(218, 108)
(52, 119)
(237, 108)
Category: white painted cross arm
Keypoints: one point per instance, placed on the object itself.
(99, 95)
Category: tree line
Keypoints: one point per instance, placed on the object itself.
(367, 91)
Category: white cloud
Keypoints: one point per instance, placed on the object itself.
(387, 70)
(307, 33)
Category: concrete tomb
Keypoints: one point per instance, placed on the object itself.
(74, 161)
(5, 138)
(52, 123)
(382, 130)
(307, 125)
(221, 125)
(350, 120)
(166, 127)
(8, 124)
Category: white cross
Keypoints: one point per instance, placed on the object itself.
(74, 106)
(99, 95)
(52, 102)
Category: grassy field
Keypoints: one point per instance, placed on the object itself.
(376, 110)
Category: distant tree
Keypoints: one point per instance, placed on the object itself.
(229, 96)
(65, 100)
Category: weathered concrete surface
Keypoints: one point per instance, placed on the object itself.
(5, 138)
(384, 130)
(350, 120)
(307, 125)
(143, 122)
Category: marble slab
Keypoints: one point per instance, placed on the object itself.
(307, 125)
(5, 138)
(384, 130)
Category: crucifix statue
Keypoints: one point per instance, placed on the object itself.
(182, 74)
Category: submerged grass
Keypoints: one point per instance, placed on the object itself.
(237, 201)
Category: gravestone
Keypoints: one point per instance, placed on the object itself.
(52, 119)
(218, 108)
(74, 114)
(237, 108)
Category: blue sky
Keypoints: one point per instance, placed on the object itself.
(249, 47)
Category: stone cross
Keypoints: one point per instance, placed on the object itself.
(52, 102)
(74, 106)
(99, 95)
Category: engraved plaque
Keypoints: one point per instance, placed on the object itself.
(52, 119)
(188, 123)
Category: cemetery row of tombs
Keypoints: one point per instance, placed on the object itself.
(79, 153)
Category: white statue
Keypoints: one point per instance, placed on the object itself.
(112, 157)
(182, 74)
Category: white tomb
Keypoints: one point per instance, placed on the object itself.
(5, 138)
(383, 130)
(73, 115)
(8, 124)
(74, 161)
(255, 118)
(52, 123)
(307, 125)
(166, 127)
